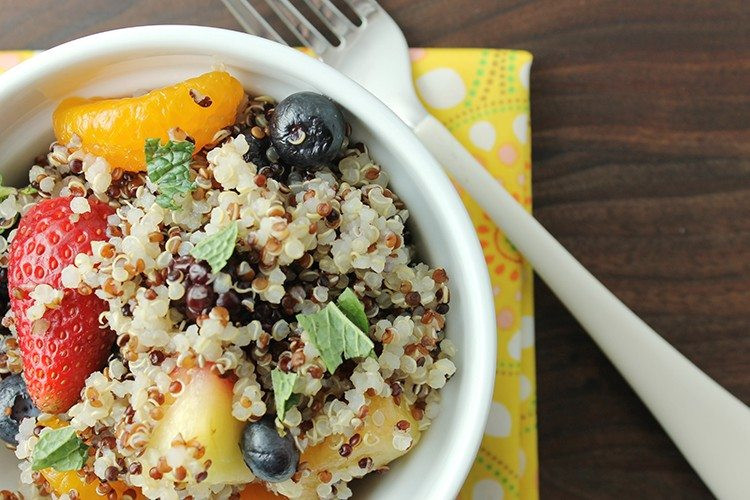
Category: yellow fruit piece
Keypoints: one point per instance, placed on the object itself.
(203, 411)
(256, 491)
(376, 443)
(117, 129)
(63, 482)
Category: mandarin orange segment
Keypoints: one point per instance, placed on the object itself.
(64, 482)
(117, 129)
(256, 491)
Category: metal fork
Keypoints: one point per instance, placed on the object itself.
(709, 425)
(389, 78)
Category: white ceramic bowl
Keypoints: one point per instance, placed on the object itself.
(125, 61)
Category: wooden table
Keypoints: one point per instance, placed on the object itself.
(641, 119)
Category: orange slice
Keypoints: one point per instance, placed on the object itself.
(117, 129)
(63, 482)
(256, 491)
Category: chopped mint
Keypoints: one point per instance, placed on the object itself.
(293, 401)
(354, 309)
(5, 191)
(28, 190)
(217, 248)
(60, 449)
(283, 384)
(169, 168)
(335, 335)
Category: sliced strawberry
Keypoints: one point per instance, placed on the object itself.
(69, 344)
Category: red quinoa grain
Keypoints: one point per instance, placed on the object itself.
(413, 299)
(180, 473)
(403, 425)
(111, 473)
(355, 439)
(439, 275)
(345, 450)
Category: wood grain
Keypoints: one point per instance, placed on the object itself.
(641, 133)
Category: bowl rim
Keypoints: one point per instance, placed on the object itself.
(160, 40)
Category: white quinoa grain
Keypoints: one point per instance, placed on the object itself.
(70, 277)
(80, 205)
(176, 290)
(378, 418)
(401, 441)
(47, 184)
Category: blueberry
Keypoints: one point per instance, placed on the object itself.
(15, 405)
(271, 457)
(257, 152)
(275, 171)
(307, 129)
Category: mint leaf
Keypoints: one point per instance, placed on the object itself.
(283, 384)
(169, 168)
(351, 306)
(293, 401)
(335, 335)
(60, 449)
(74, 461)
(28, 190)
(5, 191)
(217, 248)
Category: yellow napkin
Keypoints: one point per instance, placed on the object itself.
(11, 58)
(482, 96)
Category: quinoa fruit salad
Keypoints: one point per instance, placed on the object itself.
(211, 294)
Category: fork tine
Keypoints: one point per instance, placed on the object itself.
(364, 8)
(332, 17)
(300, 26)
(251, 20)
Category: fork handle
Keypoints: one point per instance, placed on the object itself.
(710, 426)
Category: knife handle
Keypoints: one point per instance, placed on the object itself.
(710, 426)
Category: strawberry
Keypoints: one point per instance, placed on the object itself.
(57, 360)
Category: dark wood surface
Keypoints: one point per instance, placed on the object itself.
(641, 134)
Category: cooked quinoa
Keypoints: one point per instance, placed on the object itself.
(304, 236)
